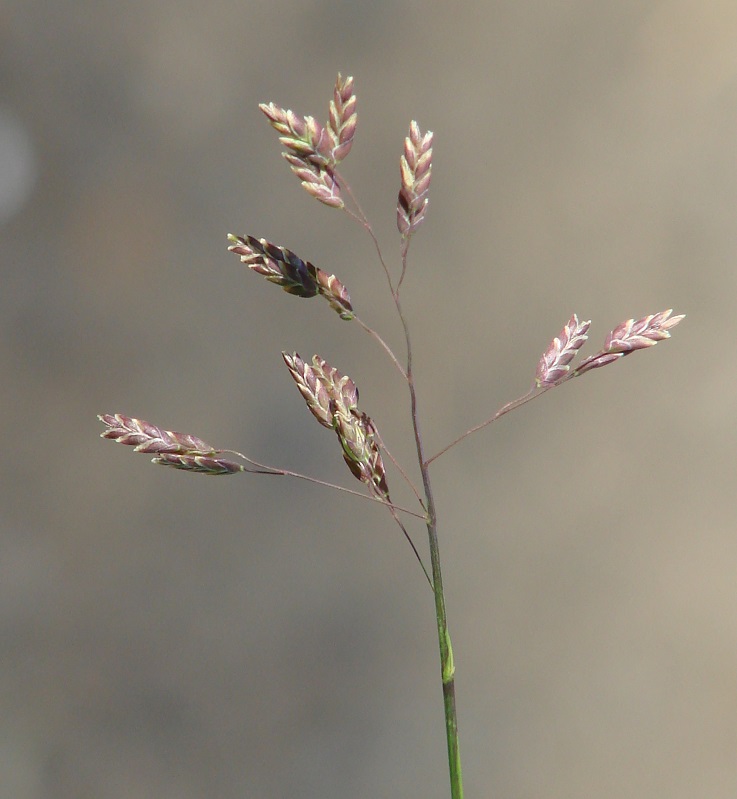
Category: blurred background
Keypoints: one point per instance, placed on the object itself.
(169, 635)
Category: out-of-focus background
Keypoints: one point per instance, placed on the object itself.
(175, 636)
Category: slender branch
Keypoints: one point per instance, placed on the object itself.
(532, 394)
(362, 219)
(405, 251)
(352, 214)
(404, 474)
(411, 543)
(287, 473)
(381, 341)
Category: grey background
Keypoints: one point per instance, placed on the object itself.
(167, 635)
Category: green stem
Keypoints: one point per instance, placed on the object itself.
(447, 666)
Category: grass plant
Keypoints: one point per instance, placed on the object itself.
(314, 153)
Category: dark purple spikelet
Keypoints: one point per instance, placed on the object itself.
(554, 364)
(277, 264)
(282, 267)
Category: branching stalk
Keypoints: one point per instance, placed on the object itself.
(447, 666)
(532, 394)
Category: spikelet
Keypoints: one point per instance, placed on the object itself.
(284, 268)
(179, 450)
(312, 150)
(202, 464)
(630, 336)
(320, 182)
(332, 398)
(342, 119)
(554, 364)
(305, 137)
(415, 170)
(147, 437)
(325, 390)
